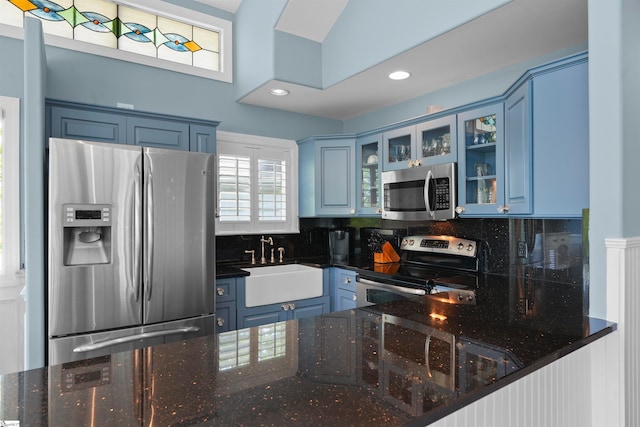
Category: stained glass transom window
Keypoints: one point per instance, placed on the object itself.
(120, 27)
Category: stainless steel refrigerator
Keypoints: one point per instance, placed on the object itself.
(131, 247)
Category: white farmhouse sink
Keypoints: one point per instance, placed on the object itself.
(281, 283)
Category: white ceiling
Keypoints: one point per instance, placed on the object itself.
(519, 31)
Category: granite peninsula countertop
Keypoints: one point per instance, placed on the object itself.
(365, 366)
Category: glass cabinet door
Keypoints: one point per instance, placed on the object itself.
(368, 179)
(437, 140)
(399, 147)
(481, 161)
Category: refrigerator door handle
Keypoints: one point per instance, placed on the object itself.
(136, 241)
(149, 234)
(145, 335)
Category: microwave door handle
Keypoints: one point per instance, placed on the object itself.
(427, 194)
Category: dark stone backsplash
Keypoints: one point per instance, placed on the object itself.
(541, 248)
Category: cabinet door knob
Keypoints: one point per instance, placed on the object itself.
(353, 297)
(459, 209)
(220, 321)
(285, 307)
(347, 280)
(503, 209)
(292, 306)
(220, 291)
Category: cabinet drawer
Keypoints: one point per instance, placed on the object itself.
(225, 290)
(225, 317)
(346, 280)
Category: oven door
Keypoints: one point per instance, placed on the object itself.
(370, 292)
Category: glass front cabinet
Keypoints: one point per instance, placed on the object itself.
(432, 141)
(399, 147)
(368, 174)
(481, 161)
(437, 140)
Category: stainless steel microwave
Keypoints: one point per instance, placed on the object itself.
(420, 193)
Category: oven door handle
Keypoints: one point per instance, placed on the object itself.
(392, 288)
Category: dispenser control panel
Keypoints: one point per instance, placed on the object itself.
(86, 215)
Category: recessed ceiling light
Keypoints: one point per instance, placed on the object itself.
(399, 75)
(279, 92)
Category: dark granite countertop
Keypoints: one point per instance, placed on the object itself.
(364, 366)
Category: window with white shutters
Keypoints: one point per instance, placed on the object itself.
(257, 185)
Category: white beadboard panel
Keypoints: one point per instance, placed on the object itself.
(573, 391)
(623, 299)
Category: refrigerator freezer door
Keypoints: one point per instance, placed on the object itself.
(86, 292)
(85, 346)
(178, 243)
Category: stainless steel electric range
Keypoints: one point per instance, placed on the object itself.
(444, 268)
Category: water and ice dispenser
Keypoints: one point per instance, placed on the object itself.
(87, 234)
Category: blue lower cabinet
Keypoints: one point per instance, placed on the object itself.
(226, 304)
(343, 289)
(345, 299)
(225, 316)
(255, 316)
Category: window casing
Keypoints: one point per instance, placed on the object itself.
(149, 32)
(257, 185)
(9, 190)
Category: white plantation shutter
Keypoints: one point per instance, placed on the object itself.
(234, 174)
(272, 190)
(257, 185)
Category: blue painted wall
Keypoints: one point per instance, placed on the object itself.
(298, 60)
(364, 36)
(34, 206)
(614, 102)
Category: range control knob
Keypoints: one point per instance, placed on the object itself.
(460, 246)
(470, 247)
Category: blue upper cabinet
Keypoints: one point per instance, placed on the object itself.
(432, 141)
(368, 191)
(560, 122)
(398, 148)
(546, 148)
(72, 123)
(103, 124)
(158, 133)
(437, 140)
(481, 161)
(202, 139)
(517, 151)
(327, 176)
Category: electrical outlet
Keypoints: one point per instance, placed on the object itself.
(522, 249)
